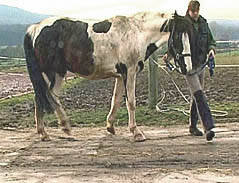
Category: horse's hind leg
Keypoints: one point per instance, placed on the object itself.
(39, 113)
(60, 113)
(115, 104)
(63, 120)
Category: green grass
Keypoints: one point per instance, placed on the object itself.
(230, 53)
(81, 117)
(229, 58)
(14, 69)
(15, 100)
(14, 66)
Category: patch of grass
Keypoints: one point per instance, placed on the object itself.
(229, 58)
(17, 112)
(69, 84)
(13, 69)
(230, 107)
(144, 116)
(16, 100)
(13, 113)
(13, 65)
(21, 69)
(230, 53)
(87, 118)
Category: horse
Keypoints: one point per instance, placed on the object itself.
(116, 47)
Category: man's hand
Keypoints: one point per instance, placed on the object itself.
(168, 64)
(165, 57)
(212, 53)
(211, 62)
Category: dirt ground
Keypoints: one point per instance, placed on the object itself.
(95, 94)
(14, 84)
(91, 155)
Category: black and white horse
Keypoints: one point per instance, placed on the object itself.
(115, 48)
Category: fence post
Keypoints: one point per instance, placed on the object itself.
(153, 82)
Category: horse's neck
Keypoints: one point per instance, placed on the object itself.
(152, 31)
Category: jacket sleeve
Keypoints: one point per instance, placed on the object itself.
(211, 41)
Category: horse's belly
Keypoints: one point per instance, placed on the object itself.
(101, 71)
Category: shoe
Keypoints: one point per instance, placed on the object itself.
(210, 135)
(195, 131)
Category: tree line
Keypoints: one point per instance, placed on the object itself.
(11, 37)
(224, 33)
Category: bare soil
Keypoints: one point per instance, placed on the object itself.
(223, 86)
(14, 84)
(91, 155)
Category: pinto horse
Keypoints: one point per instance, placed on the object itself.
(116, 47)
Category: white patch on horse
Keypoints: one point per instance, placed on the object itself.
(186, 50)
(35, 29)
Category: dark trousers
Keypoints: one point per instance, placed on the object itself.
(199, 108)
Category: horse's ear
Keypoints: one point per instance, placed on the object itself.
(164, 27)
(175, 15)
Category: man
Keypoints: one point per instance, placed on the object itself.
(199, 108)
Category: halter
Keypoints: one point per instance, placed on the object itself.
(177, 56)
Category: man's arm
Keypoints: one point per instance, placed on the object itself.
(211, 42)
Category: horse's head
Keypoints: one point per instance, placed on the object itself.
(180, 39)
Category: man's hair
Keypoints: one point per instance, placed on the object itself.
(193, 5)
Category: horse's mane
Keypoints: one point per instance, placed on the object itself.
(149, 15)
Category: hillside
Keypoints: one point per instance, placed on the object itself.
(13, 24)
(11, 35)
(14, 21)
(226, 23)
(11, 15)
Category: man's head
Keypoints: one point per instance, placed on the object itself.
(193, 9)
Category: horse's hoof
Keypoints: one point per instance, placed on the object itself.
(45, 138)
(139, 137)
(111, 130)
(67, 131)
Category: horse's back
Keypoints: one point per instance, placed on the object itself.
(63, 44)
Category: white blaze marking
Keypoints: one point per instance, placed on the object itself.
(35, 29)
(186, 50)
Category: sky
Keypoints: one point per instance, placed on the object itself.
(210, 9)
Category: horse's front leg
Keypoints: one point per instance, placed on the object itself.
(115, 104)
(131, 106)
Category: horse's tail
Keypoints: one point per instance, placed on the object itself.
(43, 98)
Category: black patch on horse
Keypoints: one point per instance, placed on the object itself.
(150, 49)
(141, 65)
(102, 27)
(51, 44)
(123, 70)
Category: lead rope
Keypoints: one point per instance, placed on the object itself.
(166, 108)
